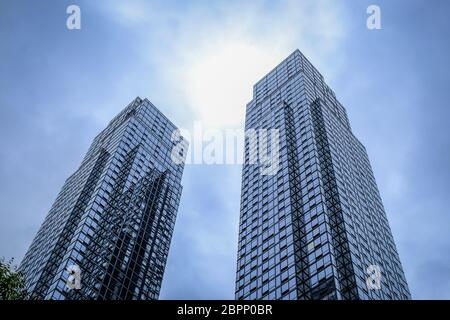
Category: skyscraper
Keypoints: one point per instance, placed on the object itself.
(316, 228)
(108, 232)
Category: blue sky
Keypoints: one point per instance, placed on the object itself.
(198, 60)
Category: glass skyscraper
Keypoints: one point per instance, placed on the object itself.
(108, 232)
(316, 228)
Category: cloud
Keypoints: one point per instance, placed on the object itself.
(209, 58)
(216, 64)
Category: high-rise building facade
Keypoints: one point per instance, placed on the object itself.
(316, 228)
(108, 233)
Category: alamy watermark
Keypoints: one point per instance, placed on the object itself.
(374, 19)
(73, 21)
(214, 146)
(373, 281)
(74, 279)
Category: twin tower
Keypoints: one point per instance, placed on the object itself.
(313, 229)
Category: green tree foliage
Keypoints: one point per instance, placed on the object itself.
(12, 285)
